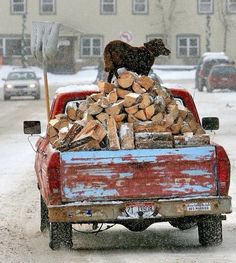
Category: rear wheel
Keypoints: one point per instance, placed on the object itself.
(44, 222)
(60, 235)
(200, 85)
(6, 97)
(210, 230)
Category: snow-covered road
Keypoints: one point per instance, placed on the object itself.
(21, 240)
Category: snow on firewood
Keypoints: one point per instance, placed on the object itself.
(132, 112)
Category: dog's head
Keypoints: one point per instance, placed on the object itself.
(157, 47)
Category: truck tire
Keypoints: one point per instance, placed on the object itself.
(210, 230)
(183, 223)
(7, 97)
(44, 222)
(60, 235)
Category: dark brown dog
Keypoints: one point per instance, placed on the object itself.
(118, 54)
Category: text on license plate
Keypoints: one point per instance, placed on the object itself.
(198, 207)
(147, 210)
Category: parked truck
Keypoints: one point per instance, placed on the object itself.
(185, 186)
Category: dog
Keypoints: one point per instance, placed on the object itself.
(118, 54)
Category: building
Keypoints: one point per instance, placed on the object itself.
(189, 28)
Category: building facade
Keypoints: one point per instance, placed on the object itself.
(188, 27)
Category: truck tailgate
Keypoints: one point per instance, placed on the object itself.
(138, 174)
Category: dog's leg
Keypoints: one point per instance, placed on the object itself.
(110, 75)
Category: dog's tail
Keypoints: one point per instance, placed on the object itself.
(108, 64)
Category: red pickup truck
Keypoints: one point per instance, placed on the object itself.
(185, 186)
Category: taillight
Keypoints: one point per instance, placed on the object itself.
(54, 172)
(223, 170)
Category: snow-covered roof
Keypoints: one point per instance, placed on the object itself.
(74, 88)
(214, 55)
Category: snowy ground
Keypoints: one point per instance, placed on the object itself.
(21, 240)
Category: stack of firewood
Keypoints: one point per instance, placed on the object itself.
(133, 112)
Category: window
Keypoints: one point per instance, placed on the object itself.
(1, 47)
(140, 7)
(91, 46)
(205, 6)
(188, 46)
(108, 7)
(13, 47)
(47, 7)
(18, 6)
(231, 6)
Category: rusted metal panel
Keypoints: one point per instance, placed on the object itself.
(165, 209)
(134, 174)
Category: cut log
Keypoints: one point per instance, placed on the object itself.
(158, 118)
(90, 126)
(137, 88)
(200, 131)
(150, 111)
(125, 80)
(94, 109)
(54, 123)
(120, 117)
(194, 140)
(97, 96)
(104, 102)
(83, 106)
(127, 136)
(153, 140)
(112, 97)
(131, 99)
(132, 110)
(148, 126)
(176, 127)
(71, 112)
(160, 104)
(146, 101)
(140, 115)
(114, 109)
(102, 117)
(146, 82)
(132, 119)
(183, 111)
(73, 131)
(105, 87)
(113, 139)
(185, 128)
(52, 132)
(122, 92)
(62, 133)
(173, 110)
(91, 145)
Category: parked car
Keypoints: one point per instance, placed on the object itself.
(206, 66)
(21, 82)
(207, 60)
(222, 77)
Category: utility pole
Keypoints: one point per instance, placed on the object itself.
(23, 44)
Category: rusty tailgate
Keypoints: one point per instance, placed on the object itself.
(138, 174)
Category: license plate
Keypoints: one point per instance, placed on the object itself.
(198, 207)
(140, 210)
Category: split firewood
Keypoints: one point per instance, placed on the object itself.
(173, 110)
(106, 87)
(137, 88)
(90, 126)
(183, 111)
(160, 104)
(102, 117)
(146, 101)
(71, 111)
(127, 136)
(140, 115)
(176, 127)
(132, 109)
(113, 139)
(103, 102)
(132, 119)
(152, 140)
(150, 111)
(147, 126)
(112, 97)
(185, 128)
(73, 131)
(200, 131)
(114, 109)
(97, 96)
(131, 99)
(194, 140)
(146, 82)
(94, 109)
(120, 117)
(158, 118)
(62, 133)
(91, 145)
(51, 131)
(122, 92)
(125, 79)
(54, 123)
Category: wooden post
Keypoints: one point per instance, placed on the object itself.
(46, 90)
